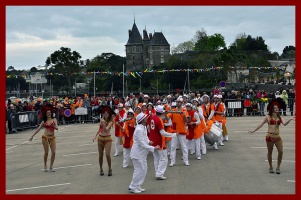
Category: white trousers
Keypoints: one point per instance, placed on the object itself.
(168, 146)
(160, 162)
(117, 144)
(140, 169)
(183, 142)
(220, 139)
(191, 145)
(126, 157)
(203, 144)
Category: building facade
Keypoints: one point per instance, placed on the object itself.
(145, 51)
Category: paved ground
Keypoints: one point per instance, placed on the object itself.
(239, 167)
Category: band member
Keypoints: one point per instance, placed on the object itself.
(104, 138)
(128, 131)
(157, 136)
(200, 112)
(217, 116)
(207, 112)
(224, 121)
(48, 138)
(194, 131)
(179, 119)
(139, 152)
(120, 115)
(274, 120)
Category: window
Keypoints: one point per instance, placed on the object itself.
(134, 49)
(162, 54)
(162, 60)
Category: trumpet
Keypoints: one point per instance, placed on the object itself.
(174, 111)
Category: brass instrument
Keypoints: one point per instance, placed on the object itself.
(174, 111)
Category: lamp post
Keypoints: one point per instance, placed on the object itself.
(288, 75)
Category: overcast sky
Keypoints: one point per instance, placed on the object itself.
(35, 32)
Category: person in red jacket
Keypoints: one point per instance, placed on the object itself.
(157, 135)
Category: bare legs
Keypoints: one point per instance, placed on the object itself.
(279, 146)
(107, 149)
(46, 146)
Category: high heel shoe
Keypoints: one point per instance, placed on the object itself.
(277, 171)
(271, 170)
(110, 173)
(101, 173)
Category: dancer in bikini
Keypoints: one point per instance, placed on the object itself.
(104, 138)
(274, 120)
(48, 138)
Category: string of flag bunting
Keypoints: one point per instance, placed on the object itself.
(140, 73)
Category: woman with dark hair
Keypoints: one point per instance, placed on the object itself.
(104, 138)
(48, 138)
(274, 120)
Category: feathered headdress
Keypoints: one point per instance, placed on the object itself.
(279, 102)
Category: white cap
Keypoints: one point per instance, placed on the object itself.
(127, 103)
(159, 102)
(215, 96)
(188, 104)
(145, 96)
(173, 104)
(144, 104)
(150, 103)
(180, 99)
(185, 95)
(130, 111)
(205, 95)
(160, 109)
(219, 96)
(195, 99)
(168, 96)
(140, 117)
(120, 105)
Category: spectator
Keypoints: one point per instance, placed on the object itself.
(291, 100)
(284, 96)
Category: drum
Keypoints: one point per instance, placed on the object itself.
(210, 138)
(216, 130)
(67, 113)
(247, 103)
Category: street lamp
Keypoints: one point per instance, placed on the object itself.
(288, 76)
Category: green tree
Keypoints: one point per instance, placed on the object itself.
(65, 62)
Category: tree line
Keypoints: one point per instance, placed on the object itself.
(202, 51)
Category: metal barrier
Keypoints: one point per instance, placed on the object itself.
(234, 107)
(24, 120)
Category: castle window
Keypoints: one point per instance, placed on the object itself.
(162, 54)
(162, 47)
(162, 60)
(134, 49)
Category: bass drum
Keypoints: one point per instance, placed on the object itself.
(210, 138)
(67, 113)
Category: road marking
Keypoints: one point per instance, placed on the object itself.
(37, 187)
(85, 144)
(79, 154)
(70, 166)
(16, 145)
(283, 161)
(266, 147)
(291, 181)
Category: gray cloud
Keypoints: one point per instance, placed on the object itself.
(34, 32)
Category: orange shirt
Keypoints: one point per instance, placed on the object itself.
(220, 108)
(178, 121)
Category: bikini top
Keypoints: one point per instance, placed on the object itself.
(273, 121)
(49, 125)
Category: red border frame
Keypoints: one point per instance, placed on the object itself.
(5, 3)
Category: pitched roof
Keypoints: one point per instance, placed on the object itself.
(158, 39)
(134, 36)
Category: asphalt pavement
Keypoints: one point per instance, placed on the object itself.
(239, 167)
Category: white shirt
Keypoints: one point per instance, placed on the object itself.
(141, 145)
